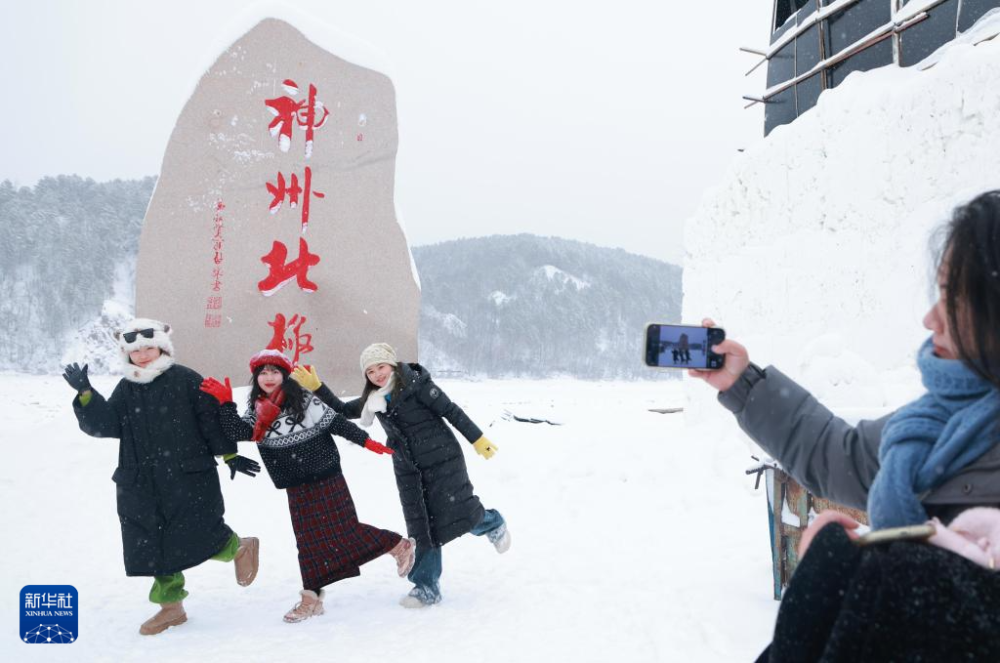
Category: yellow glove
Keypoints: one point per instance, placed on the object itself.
(484, 447)
(307, 378)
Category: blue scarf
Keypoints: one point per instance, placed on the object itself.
(933, 438)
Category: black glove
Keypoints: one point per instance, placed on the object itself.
(247, 466)
(77, 377)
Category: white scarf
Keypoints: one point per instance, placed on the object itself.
(153, 370)
(376, 402)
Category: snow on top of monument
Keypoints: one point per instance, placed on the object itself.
(402, 229)
(326, 36)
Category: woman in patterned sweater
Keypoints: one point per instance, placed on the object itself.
(294, 432)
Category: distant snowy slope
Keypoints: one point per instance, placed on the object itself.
(502, 305)
(69, 246)
(813, 250)
(529, 305)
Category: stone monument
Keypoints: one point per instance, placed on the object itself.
(273, 221)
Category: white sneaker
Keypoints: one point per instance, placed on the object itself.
(311, 605)
(420, 597)
(500, 538)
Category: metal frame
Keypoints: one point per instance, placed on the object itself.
(902, 18)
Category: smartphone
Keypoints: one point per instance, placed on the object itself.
(909, 533)
(683, 346)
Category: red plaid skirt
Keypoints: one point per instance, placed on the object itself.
(332, 543)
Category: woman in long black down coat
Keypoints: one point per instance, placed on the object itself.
(169, 500)
(434, 487)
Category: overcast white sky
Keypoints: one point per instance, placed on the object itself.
(602, 121)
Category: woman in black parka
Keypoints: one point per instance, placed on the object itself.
(434, 487)
(169, 501)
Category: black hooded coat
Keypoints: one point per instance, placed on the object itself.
(169, 501)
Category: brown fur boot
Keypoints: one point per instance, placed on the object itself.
(246, 560)
(170, 614)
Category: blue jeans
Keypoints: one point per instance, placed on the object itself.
(426, 569)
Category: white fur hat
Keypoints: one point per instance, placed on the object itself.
(377, 353)
(137, 330)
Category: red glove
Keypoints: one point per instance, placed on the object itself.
(222, 392)
(377, 447)
(267, 411)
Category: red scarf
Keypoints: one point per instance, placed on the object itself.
(267, 409)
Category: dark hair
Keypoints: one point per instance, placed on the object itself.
(295, 395)
(397, 385)
(969, 263)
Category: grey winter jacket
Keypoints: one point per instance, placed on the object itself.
(834, 459)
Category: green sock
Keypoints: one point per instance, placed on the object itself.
(228, 552)
(168, 589)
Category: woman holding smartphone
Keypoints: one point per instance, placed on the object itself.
(935, 457)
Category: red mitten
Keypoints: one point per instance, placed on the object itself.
(222, 392)
(267, 411)
(377, 447)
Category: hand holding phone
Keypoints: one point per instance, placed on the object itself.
(737, 359)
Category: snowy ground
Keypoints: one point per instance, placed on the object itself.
(635, 538)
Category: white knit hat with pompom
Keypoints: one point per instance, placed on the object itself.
(377, 353)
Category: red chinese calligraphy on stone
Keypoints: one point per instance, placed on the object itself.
(281, 273)
(281, 190)
(217, 242)
(288, 111)
(213, 320)
(299, 342)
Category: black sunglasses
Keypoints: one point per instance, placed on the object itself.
(131, 336)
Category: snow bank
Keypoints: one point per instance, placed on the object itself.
(815, 250)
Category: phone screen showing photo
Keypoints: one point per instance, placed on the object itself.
(683, 346)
